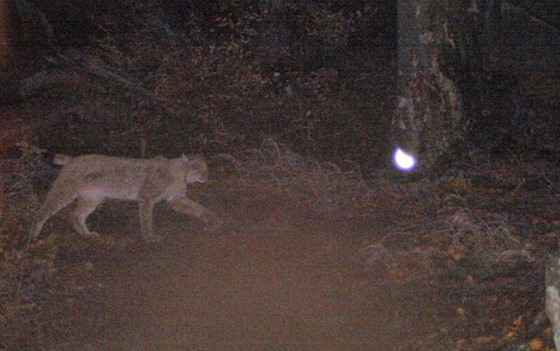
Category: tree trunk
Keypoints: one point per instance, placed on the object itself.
(5, 34)
(439, 59)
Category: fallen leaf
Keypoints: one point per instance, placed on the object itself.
(536, 344)
(519, 321)
(511, 335)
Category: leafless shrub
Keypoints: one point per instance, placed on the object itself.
(323, 184)
(468, 231)
(458, 234)
(17, 195)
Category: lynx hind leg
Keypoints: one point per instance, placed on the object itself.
(84, 207)
(56, 200)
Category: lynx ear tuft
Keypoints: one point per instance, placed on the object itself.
(185, 158)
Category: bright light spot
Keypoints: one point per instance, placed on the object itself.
(404, 161)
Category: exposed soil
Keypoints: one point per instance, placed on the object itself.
(274, 277)
(274, 285)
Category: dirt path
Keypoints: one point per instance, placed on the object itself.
(280, 283)
(284, 274)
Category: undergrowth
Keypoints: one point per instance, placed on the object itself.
(326, 186)
(448, 233)
(460, 237)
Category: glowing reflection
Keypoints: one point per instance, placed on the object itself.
(404, 161)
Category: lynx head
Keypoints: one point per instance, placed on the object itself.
(197, 169)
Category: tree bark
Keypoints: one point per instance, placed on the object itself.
(5, 33)
(438, 60)
(34, 29)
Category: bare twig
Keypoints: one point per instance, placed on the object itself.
(550, 182)
(518, 186)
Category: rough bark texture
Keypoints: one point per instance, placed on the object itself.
(438, 57)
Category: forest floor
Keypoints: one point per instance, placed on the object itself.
(453, 264)
(310, 256)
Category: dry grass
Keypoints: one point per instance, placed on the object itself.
(457, 235)
(324, 185)
(458, 238)
(20, 275)
(491, 238)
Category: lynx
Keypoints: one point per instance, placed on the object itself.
(93, 178)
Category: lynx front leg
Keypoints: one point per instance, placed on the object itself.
(146, 221)
(191, 208)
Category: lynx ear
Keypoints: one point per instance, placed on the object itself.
(184, 158)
